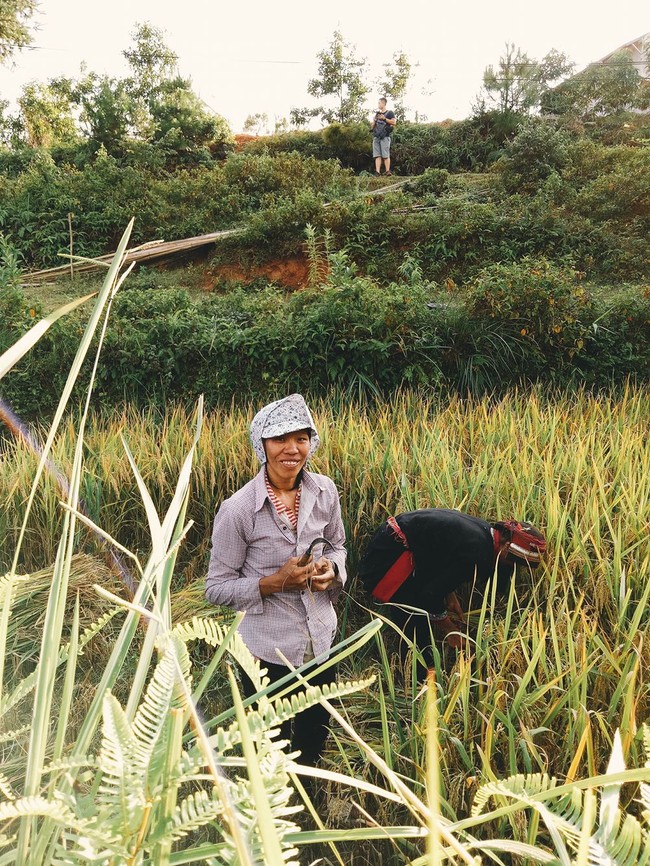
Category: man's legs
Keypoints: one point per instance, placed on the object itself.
(377, 165)
(385, 152)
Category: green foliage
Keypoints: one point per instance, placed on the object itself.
(432, 181)
(15, 315)
(15, 32)
(348, 143)
(34, 206)
(46, 115)
(339, 78)
(418, 146)
(153, 106)
(150, 60)
(519, 82)
(534, 154)
(466, 145)
(512, 323)
(394, 83)
(607, 88)
(183, 127)
(548, 306)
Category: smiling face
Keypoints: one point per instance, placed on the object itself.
(285, 457)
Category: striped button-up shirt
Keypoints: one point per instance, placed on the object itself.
(251, 541)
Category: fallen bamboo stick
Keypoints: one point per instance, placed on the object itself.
(150, 250)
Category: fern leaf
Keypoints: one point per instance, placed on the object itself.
(609, 796)
(9, 584)
(9, 736)
(34, 806)
(212, 632)
(161, 695)
(122, 785)
(5, 788)
(644, 789)
(270, 715)
(192, 813)
(515, 787)
(624, 842)
(27, 684)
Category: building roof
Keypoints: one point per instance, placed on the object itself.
(637, 49)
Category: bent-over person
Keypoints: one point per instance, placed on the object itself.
(420, 558)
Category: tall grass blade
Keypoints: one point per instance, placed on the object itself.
(14, 353)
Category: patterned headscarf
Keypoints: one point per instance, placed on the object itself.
(280, 417)
(518, 541)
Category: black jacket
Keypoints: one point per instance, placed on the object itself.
(449, 549)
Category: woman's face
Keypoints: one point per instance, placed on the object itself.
(286, 455)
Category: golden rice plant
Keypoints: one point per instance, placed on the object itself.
(509, 748)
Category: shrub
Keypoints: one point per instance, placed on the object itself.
(537, 151)
(351, 144)
(104, 194)
(432, 181)
(546, 305)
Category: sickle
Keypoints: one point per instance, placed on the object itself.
(304, 559)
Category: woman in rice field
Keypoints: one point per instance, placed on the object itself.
(419, 559)
(258, 562)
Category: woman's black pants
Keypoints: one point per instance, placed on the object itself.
(308, 730)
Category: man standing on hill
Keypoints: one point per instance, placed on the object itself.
(382, 129)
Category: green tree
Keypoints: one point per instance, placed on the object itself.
(15, 33)
(519, 82)
(340, 81)
(602, 89)
(150, 59)
(183, 126)
(163, 108)
(46, 113)
(10, 126)
(395, 81)
(256, 124)
(106, 108)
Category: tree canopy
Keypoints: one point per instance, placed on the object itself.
(518, 82)
(340, 82)
(152, 104)
(15, 32)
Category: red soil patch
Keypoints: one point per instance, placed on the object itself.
(291, 272)
(242, 139)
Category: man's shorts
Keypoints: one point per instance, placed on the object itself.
(381, 147)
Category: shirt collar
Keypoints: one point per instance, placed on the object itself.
(309, 483)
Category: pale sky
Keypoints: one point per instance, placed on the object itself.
(253, 56)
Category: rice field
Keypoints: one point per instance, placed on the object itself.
(558, 666)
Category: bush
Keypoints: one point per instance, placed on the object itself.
(104, 195)
(537, 151)
(546, 305)
(512, 323)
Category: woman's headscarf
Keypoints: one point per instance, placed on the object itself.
(520, 541)
(280, 417)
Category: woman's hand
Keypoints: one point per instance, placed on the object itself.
(290, 578)
(324, 575)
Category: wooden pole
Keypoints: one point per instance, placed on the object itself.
(70, 215)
